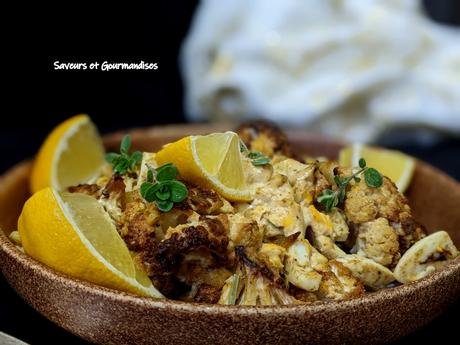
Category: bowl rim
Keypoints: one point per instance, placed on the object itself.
(13, 252)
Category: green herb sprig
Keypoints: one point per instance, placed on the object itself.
(166, 191)
(330, 199)
(124, 162)
(257, 158)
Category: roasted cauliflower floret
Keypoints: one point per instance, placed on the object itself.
(321, 232)
(207, 238)
(272, 255)
(364, 203)
(309, 270)
(256, 174)
(206, 201)
(378, 241)
(259, 291)
(243, 232)
(339, 283)
(264, 137)
(305, 278)
(274, 203)
(259, 285)
(300, 177)
(302, 263)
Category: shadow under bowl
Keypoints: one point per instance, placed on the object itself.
(107, 316)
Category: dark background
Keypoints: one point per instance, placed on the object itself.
(84, 31)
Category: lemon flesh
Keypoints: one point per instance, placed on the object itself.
(71, 154)
(396, 165)
(73, 234)
(212, 161)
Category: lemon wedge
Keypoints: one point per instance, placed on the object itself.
(71, 154)
(73, 234)
(396, 165)
(213, 161)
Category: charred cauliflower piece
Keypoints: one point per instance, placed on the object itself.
(378, 241)
(338, 283)
(207, 238)
(206, 201)
(89, 189)
(264, 137)
(257, 290)
(260, 285)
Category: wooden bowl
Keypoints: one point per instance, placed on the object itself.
(107, 316)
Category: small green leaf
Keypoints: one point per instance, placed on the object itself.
(258, 158)
(357, 179)
(136, 156)
(178, 191)
(261, 161)
(112, 157)
(121, 167)
(166, 191)
(145, 187)
(162, 191)
(164, 166)
(373, 178)
(147, 191)
(164, 206)
(149, 175)
(362, 163)
(166, 172)
(327, 193)
(254, 155)
(125, 144)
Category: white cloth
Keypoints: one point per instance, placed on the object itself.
(346, 68)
